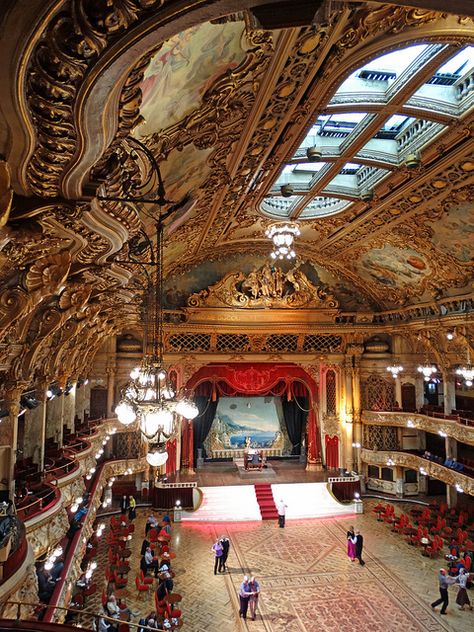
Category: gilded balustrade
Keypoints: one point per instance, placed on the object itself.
(449, 427)
(415, 462)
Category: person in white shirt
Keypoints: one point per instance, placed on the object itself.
(281, 508)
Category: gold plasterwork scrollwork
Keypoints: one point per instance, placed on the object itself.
(6, 193)
(448, 476)
(387, 18)
(330, 425)
(453, 428)
(266, 287)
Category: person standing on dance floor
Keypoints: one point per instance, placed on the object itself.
(225, 543)
(444, 581)
(359, 545)
(281, 508)
(351, 547)
(132, 508)
(218, 552)
(244, 596)
(254, 594)
(462, 598)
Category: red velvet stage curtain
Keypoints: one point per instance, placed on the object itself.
(332, 452)
(171, 462)
(216, 380)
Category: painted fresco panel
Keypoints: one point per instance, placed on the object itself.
(393, 266)
(454, 232)
(178, 288)
(187, 65)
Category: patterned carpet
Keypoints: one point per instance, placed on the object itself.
(307, 581)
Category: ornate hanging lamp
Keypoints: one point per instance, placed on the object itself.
(283, 235)
(467, 371)
(149, 397)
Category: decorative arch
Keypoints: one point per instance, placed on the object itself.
(261, 379)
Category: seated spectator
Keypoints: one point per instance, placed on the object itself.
(112, 608)
(151, 561)
(164, 587)
(145, 545)
(448, 462)
(80, 514)
(74, 526)
(57, 569)
(45, 585)
(106, 626)
(151, 522)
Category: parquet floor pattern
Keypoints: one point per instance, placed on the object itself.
(308, 583)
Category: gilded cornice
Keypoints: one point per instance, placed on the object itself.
(405, 459)
(435, 425)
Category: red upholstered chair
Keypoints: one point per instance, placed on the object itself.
(120, 582)
(123, 627)
(77, 602)
(467, 563)
(103, 598)
(145, 580)
(176, 613)
(142, 588)
(153, 536)
(90, 590)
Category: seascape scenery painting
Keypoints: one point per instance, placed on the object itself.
(252, 422)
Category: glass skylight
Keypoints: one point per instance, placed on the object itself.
(312, 167)
(347, 154)
(460, 64)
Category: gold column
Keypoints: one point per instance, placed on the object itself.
(348, 415)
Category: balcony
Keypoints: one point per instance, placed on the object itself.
(459, 428)
(417, 462)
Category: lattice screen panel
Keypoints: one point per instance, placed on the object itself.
(129, 445)
(378, 394)
(380, 438)
(232, 342)
(190, 342)
(316, 342)
(330, 392)
(282, 342)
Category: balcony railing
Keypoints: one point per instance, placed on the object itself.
(449, 425)
(416, 462)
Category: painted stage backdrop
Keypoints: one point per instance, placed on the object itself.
(253, 422)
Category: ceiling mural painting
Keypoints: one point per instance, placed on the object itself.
(393, 266)
(453, 233)
(183, 70)
(179, 287)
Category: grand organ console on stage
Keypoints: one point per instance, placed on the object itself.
(254, 459)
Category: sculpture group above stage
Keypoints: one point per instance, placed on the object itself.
(267, 286)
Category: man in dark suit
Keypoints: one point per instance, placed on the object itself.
(359, 547)
(225, 543)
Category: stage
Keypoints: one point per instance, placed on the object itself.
(248, 503)
(226, 473)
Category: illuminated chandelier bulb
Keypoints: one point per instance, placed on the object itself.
(187, 409)
(125, 413)
(395, 370)
(157, 458)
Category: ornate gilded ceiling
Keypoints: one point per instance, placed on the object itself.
(223, 102)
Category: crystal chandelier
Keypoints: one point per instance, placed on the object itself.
(149, 397)
(395, 370)
(283, 235)
(428, 370)
(467, 372)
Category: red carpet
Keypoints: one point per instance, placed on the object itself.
(263, 492)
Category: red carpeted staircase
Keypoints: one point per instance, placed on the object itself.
(263, 492)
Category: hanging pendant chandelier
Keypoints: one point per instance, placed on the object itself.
(395, 370)
(428, 370)
(283, 235)
(467, 372)
(149, 397)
